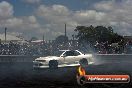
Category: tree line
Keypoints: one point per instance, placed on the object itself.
(99, 34)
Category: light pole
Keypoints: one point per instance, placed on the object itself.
(73, 37)
(65, 31)
(43, 39)
(5, 34)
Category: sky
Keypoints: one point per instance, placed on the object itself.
(35, 18)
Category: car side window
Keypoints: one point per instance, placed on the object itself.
(76, 53)
(69, 53)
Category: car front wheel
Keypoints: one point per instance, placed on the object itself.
(53, 64)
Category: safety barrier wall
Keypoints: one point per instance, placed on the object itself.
(17, 58)
(25, 63)
(104, 57)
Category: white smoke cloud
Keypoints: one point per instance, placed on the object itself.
(6, 10)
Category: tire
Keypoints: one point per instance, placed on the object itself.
(53, 64)
(83, 62)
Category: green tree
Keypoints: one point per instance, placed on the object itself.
(61, 39)
(99, 33)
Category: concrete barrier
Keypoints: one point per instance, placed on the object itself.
(101, 57)
(17, 58)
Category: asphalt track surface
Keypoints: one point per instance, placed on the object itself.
(22, 75)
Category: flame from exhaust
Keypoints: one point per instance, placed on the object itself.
(81, 71)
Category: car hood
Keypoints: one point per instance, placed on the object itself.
(48, 58)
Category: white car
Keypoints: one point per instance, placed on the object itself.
(63, 58)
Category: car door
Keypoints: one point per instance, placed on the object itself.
(77, 57)
(69, 57)
(61, 60)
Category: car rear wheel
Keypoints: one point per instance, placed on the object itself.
(83, 62)
(53, 64)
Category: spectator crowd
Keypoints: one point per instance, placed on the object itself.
(49, 48)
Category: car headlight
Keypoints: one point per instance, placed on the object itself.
(41, 60)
